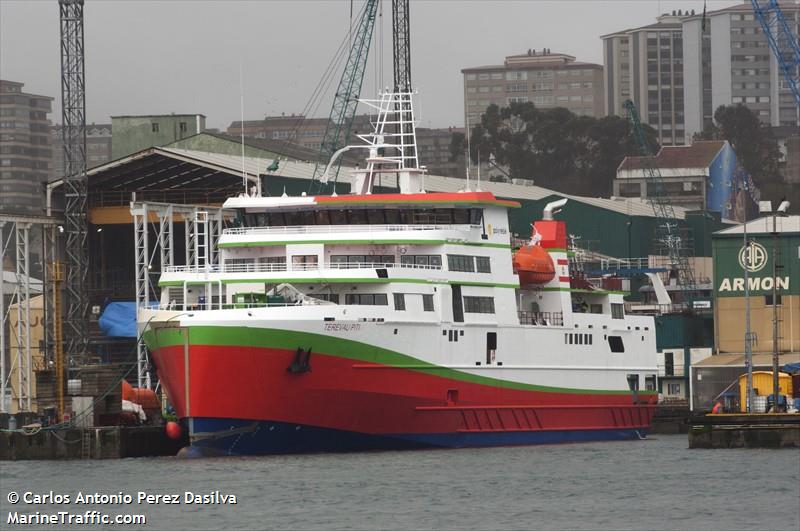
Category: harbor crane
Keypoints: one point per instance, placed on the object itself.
(345, 101)
(667, 230)
(783, 43)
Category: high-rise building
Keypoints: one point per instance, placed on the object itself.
(135, 133)
(646, 66)
(545, 78)
(98, 147)
(25, 151)
(730, 62)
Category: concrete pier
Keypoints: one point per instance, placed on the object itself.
(745, 431)
(112, 442)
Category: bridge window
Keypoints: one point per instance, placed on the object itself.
(305, 262)
(479, 304)
(367, 299)
(427, 260)
(483, 264)
(343, 260)
(617, 311)
(458, 262)
(363, 216)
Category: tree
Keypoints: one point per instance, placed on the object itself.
(755, 147)
(753, 142)
(554, 147)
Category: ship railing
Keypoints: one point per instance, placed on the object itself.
(541, 318)
(333, 229)
(381, 265)
(257, 267)
(197, 306)
(639, 262)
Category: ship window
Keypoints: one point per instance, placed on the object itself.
(595, 308)
(617, 311)
(375, 216)
(650, 382)
(570, 339)
(483, 264)
(330, 297)
(276, 219)
(293, 219)
(566, 339)
(458, 262)
(478, 304)
(399, 301)
(305, 262)
(323, 217)
(580, 339)
(460, 216)
(633, 382)
(338, 217)
(615, 342)
(367, 299)
(443, 216)
(475, 216)
(357, 217)
(392, 217)
(590, 338)
(307, 217)
(427, 303)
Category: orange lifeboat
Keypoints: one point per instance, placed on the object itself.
(534, 265)
(144, 397)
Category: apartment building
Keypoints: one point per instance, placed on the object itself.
(729, 61)
(545, 78)
(25, 150)
(645, 65)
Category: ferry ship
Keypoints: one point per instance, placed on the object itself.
(395, 320)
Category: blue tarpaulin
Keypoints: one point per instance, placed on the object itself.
(792, 368)
(119, 319)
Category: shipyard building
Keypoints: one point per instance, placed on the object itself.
(771, 257)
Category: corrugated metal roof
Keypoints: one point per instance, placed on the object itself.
(434, 183)
(699, 155)
(783, 224)
(737, 360)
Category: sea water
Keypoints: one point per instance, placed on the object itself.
(651, 484)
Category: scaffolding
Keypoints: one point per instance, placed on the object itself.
(202, 228)
(18, 232)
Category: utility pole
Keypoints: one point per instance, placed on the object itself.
(747, 260)
(775, 379)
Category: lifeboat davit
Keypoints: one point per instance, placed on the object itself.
(534, 265)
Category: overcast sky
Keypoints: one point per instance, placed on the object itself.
(184, 56)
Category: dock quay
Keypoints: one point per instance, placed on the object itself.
(670, 419)
(769, 430)
(109, 442)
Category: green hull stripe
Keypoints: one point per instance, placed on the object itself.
(364, 241)
(333, 281)
(223, 336)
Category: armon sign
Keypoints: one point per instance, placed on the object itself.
(732, 257)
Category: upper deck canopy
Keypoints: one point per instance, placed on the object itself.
(465, 199)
